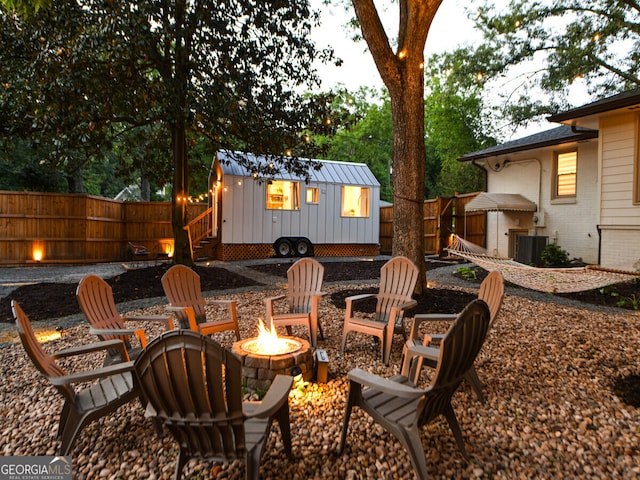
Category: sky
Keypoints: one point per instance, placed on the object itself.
(450, 28)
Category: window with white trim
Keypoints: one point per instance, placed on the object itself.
(283, 195)
(565, 174)
(355, 201)
(313, 195)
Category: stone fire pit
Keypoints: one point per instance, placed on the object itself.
(259, 370)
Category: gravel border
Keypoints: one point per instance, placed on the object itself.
(549, 372)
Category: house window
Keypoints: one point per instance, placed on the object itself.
(565, 174)
(355, 201)
(313, 195)
(283, 195)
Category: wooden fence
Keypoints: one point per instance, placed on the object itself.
(442, 216)
(79, 228)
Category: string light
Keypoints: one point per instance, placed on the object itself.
(402, 54)
(597, 37)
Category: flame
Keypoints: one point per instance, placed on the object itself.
(268, 343)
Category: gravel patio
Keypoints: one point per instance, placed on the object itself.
(550, 373)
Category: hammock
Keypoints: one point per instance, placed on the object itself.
(550, 280)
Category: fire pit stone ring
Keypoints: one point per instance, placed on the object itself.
(259, 370)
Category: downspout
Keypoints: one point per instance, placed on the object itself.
(484, 173)
(485, 176)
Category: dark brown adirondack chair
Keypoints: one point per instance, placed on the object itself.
(182, 287)
(304, 285)
(492, 292)
(193, 386)
(95, 297)
(114, 387)
(398, 279)
(402, 408)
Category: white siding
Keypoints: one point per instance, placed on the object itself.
(245, 218)
(620, 248)
(573, 225)
(618, 144)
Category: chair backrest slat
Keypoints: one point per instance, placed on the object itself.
(304, 279)
(398, 278)
(44, 362)
(189, 376)
(492, 292)
(183, 289)
(95, 297)
(458, 350)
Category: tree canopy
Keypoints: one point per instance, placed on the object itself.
(550, 49)
(80, 76)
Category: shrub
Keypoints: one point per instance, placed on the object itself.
(554, 256)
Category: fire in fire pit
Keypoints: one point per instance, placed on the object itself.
(269, 343)
(267, 355)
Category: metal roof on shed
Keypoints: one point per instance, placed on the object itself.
(346, 173)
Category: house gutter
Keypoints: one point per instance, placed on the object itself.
(485, 174)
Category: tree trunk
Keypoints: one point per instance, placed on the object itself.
(403, 74)
(182, 247)
(409, 158)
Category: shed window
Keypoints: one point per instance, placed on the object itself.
(283, 195)
(565, 174)
(355, 201)
(313, 195)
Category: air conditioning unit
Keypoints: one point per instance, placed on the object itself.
(538, 218)
(530, 249)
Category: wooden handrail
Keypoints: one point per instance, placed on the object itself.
(200, 228)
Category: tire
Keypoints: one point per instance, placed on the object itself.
(304, 248)
(283, 248)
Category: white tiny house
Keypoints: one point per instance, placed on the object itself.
(336, 214)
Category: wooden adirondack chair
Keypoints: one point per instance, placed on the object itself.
(304, 285)
(115, 385)
(398, 279)
(402, 408)
(182, 287)
(194, 387)
(95, 297)
(492, 292)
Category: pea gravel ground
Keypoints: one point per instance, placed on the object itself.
(557, 377)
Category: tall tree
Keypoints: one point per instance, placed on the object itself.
(556, 45)
(228, 72)
(456, 122)
(364, 134)
(402, 72)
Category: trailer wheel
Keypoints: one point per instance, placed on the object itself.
(303, 247)
(283, 248)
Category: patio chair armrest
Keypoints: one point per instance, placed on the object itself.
(409, 304)
(424, 351)
(382, 384)
(188, 311)
(276, 396)
(275, 299)
(350, 301)
(150, 318)
(362, 296)
(427, 317)
(84, 376)
(92, 347)
(138, 332)
(218, 301)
